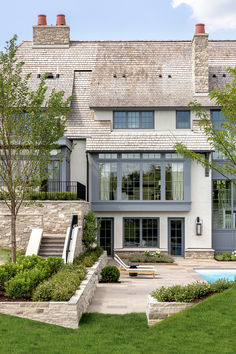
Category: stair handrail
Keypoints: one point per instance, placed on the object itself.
(74, 222)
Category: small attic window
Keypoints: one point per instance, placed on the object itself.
(214, 75)
(224, 75)
(50, 76)
(169, 76)
(123, 75)
(160, 75)
(114, 75)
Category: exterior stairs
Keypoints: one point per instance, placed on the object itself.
(52, 245)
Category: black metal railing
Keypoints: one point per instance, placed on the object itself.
(74, 222)
(63, 190)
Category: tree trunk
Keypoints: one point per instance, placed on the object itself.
(13, 236)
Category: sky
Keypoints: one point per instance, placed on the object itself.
(121, 19)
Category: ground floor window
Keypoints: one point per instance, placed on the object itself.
(141, 232)
(224, 204)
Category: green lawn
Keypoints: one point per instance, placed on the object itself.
(209, 327)
(4, 255)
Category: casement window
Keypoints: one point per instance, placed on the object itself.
(133, 120)
(183, 120)
(217, 118)
(141, 232)
(137, 176)
(224, 204)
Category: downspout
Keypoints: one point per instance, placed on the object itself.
(87, 155)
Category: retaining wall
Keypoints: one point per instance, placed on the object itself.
(65, 314)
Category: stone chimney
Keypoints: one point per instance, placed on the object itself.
(51, 36)
(200, 60)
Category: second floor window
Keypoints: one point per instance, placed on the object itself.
(133, 120)
(183, 120)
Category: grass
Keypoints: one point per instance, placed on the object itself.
(4, 255)
(208, 327)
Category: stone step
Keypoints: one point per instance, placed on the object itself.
(49, 253)
(52, 242)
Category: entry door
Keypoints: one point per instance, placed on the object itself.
(176, 236)
(106, 235)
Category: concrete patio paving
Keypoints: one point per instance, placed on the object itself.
(130, 295)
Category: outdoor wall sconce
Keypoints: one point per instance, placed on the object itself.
(198, 226)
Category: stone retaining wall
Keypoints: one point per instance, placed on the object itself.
(158, 311)
(65, 314)
(54, 217)
(125, 254)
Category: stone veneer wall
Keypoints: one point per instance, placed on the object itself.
(65, 314)
(192, 253)
(51, 35)
(200, 63)
(54, 217)
(158, 311)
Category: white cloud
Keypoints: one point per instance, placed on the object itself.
(216, 14)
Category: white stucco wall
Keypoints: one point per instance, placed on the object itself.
(78, 164)
(201, 206)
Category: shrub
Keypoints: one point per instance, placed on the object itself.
(22, 285)
(148, 257)
(54, 263)
(88, 258)
(226, 256)
(7, 271)
(187, 293)
(91, 227)
(110, 274)
(29, 262)
(62, 285)
(53, 196)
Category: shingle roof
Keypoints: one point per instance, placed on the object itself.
(87, 68)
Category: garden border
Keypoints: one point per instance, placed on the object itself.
(158, 311)
(65, 313)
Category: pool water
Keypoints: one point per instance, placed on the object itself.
(212, 275)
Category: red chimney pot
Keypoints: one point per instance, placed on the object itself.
(42, 21)
(61, 21)
(200, 28)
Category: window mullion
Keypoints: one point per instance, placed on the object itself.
(140, 231)
(163, 180)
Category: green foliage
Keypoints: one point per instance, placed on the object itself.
(226, 256)
(7, 271)
(88, 258)
(31, 123)
(223, 139)
(110, 274)
(91, 227)
(188, 293)
(151, 257)
(21, 278)
(53, 196)
(62, 285)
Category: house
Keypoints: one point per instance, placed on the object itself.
(129, 108)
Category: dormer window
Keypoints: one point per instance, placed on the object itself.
(133, 120)
(183, 120)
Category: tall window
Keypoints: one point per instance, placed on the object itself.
(175, 181)
(183, 119)
(151, 181)
(133, 120)
(130, 181)
(224, 216)
(107, 181)
(217, 118)
(141, 232)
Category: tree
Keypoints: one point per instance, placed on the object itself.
(91, 227)
(30, 126)
(221, 139)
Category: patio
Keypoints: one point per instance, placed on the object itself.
(130, 295)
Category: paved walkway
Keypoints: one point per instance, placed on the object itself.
(130, 295)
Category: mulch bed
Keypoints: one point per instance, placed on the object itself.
(4, 298)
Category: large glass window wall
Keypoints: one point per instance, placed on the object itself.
(224, 204)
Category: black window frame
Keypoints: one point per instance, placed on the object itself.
(141, 231)
(140, 120)
(181, 111)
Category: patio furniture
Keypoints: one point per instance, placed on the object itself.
(124, 269)
(137, 266)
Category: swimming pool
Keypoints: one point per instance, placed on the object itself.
(212, 275)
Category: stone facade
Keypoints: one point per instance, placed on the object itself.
(200, 63)
(158, 311)
(65, 314)
(199, 253)
(54, 217)
(51, 35)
